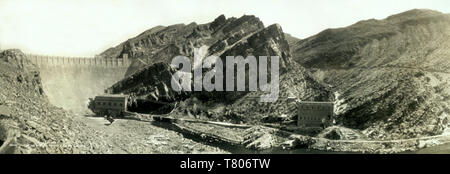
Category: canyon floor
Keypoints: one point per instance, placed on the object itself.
(130, 136)
(180, 137)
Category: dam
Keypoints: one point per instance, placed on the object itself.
(68, 82)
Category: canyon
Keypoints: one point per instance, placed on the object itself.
(388, 79)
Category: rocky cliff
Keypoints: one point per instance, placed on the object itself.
(223, 37)
(391, 75)
(161, 44)
(28, 123)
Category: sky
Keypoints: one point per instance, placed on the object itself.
(88, 27)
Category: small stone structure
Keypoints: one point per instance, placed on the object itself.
(113, 105)
(315, 114)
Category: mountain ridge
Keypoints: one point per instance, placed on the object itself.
(390, 73)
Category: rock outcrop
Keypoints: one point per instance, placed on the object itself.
(295, 81)
(161, 44)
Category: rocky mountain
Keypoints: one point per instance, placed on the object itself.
(161, 44)
(391, 76)
(223, 37)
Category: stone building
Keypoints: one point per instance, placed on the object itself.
(112, 105)
(315, 114)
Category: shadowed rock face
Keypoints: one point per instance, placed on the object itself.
(152, 82)
(391, 74)
(269, 41)
(244, 36)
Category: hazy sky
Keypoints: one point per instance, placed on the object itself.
(87, 27)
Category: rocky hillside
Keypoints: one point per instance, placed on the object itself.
(391, 75)
(161, 44)
(223, 37)
(28, 123)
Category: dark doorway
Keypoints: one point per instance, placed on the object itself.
(151, 107)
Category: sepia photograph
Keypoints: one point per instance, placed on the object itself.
(224, 77)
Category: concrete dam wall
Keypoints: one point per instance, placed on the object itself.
(70, 82)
